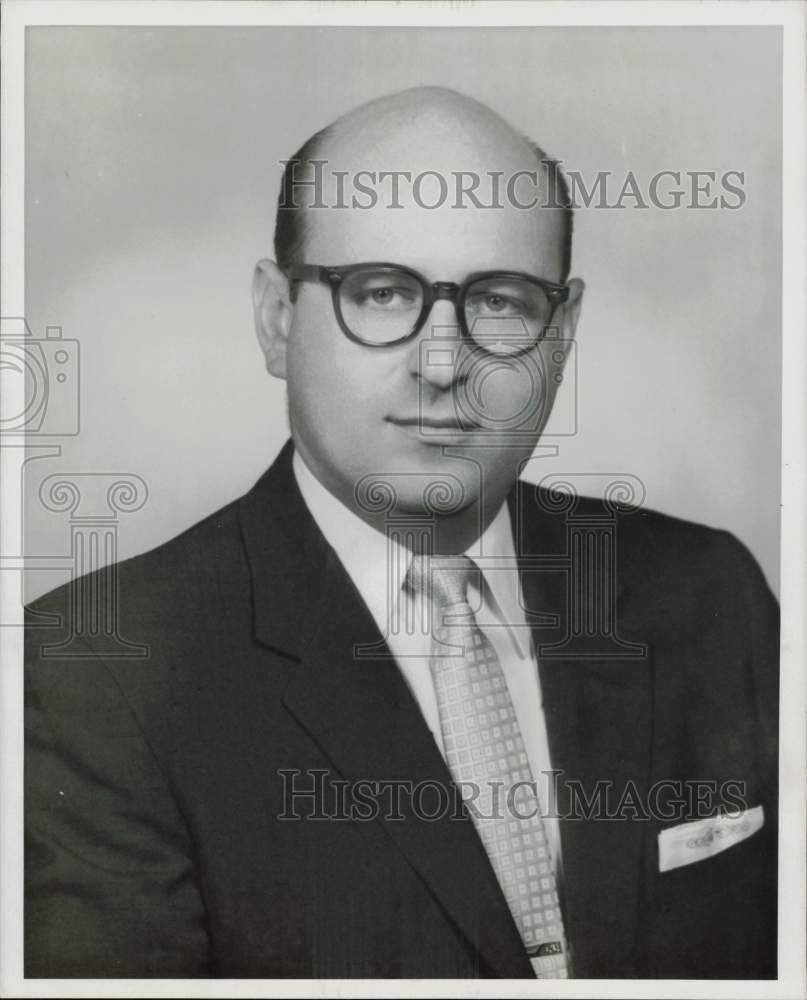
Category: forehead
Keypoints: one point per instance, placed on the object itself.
(447, 202)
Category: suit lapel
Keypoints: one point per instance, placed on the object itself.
(360, 711)
(366, 722)
(597, 704)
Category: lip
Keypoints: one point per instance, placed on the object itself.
(434, 432)
(450, 424)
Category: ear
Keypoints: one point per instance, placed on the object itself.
(273, 312)
(556, 347)
(571, 309)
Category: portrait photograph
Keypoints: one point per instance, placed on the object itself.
(403, 468)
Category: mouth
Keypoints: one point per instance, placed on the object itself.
(430, 431)
(450, 424)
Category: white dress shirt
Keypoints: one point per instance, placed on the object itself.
(378, 565)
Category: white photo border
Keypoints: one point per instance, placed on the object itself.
(792, 16)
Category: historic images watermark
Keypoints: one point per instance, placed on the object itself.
(524, 189)
(42, 406)
(318, 794)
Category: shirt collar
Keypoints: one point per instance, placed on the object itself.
(378, 565)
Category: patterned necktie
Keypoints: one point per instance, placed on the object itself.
(485, 750)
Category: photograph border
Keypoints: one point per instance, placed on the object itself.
(18, 15)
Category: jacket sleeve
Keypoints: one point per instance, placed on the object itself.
(110, 888)
(762, 623)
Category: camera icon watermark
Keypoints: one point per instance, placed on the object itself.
(48, 371)
(507, 386)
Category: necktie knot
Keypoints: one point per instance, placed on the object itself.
(443, 579)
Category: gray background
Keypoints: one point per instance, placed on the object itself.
(151, 177)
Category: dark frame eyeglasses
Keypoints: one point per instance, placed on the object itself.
(431, 292)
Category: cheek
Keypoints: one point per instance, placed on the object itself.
(316, 370)
(330, 379)
(507, 394)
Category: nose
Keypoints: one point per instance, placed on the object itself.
(437, 352)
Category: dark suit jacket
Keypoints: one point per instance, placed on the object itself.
(153, 794)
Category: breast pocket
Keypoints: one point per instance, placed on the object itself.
(714, 916)
(699, 840)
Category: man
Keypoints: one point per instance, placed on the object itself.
(388, 616)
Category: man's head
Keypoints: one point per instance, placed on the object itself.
(433, 407)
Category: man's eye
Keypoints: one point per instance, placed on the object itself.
(496, 304)
(386, 296)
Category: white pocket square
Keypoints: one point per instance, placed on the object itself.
(689, 842)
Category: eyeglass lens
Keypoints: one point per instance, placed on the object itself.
(503, 314)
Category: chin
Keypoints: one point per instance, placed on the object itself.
(440, 500)
(444, 491)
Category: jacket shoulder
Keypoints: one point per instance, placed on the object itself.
(182, 561)
(644, 537)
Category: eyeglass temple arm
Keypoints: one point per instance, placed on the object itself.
(313, 272)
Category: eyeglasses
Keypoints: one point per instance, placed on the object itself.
(382, 305)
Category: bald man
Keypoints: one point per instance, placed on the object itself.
(400, 714)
